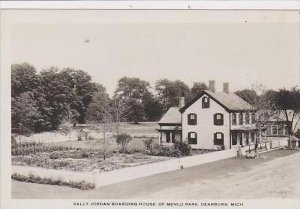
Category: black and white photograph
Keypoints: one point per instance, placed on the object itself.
(190, 108)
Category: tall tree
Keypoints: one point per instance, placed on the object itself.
(99, 112)
(133, 93)
(168, 92)
(23, 79)
(197, 88)
(249, 95)
(24, 114)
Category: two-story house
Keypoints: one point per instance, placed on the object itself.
(217, 120)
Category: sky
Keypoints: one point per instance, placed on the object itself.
(239, 47)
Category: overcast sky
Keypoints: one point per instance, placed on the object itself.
(241, 48)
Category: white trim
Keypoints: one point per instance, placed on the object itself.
(242, 5)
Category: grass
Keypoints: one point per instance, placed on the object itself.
(83, 185)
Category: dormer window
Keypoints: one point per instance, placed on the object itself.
(192, 119)
(205, 102)
(218, 119)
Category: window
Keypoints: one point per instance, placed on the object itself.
(234, 138)
(285, 130)
(252, 136)
(253, 118)
(233, 119)
(274, 130)
(247, 118)
(205, 102)
(192, 138)
(168, 137)
(218, 119)
(241, 118)
(218, 138)
(192, 119)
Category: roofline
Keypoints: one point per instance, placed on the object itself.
(217, 101)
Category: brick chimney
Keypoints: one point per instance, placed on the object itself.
(181, 102)
(226, 88)
(211, 85)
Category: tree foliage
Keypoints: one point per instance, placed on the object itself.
(168, 92)
(58, 95)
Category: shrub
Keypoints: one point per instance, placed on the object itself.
(165, 151)
(37, 179)
(123, 140)
(148, 143)
(184, 148)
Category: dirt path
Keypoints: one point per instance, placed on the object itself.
(276, 176)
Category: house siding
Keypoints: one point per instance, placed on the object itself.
(205, 127)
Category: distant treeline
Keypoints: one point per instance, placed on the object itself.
(42, 101)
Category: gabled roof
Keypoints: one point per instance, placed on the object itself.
(172, 116)
(230, 101)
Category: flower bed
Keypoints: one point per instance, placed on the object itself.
(84, 160)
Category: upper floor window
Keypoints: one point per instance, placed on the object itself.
(247, 118)
(274, 130)
(218, 119)
(218, 138)
(205, 102)
(241, 118)
(253, 118)
(192, 138)
(192, 119)
(233, 119)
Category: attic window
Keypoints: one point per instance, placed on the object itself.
(205, 102)
(192, 119)
(253, 119)
(241, 118)
(218, 119)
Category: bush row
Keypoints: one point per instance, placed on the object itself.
(37, 179)
(33, 149)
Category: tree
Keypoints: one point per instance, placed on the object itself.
(197, 88)
(134, 111)
(23, 79)
(264, 108)
(133, 93)
(168, 92)
(249, 95)
(153, 108)
(288, 104)
(99, 111)
(24, 114)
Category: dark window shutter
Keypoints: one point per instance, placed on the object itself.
(192, 119)
(220, 121)
(218, 141)
(192, 140)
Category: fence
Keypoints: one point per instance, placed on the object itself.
(125, 174)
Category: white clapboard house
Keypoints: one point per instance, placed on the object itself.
(212, 120)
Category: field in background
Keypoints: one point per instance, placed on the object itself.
(140, 131)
